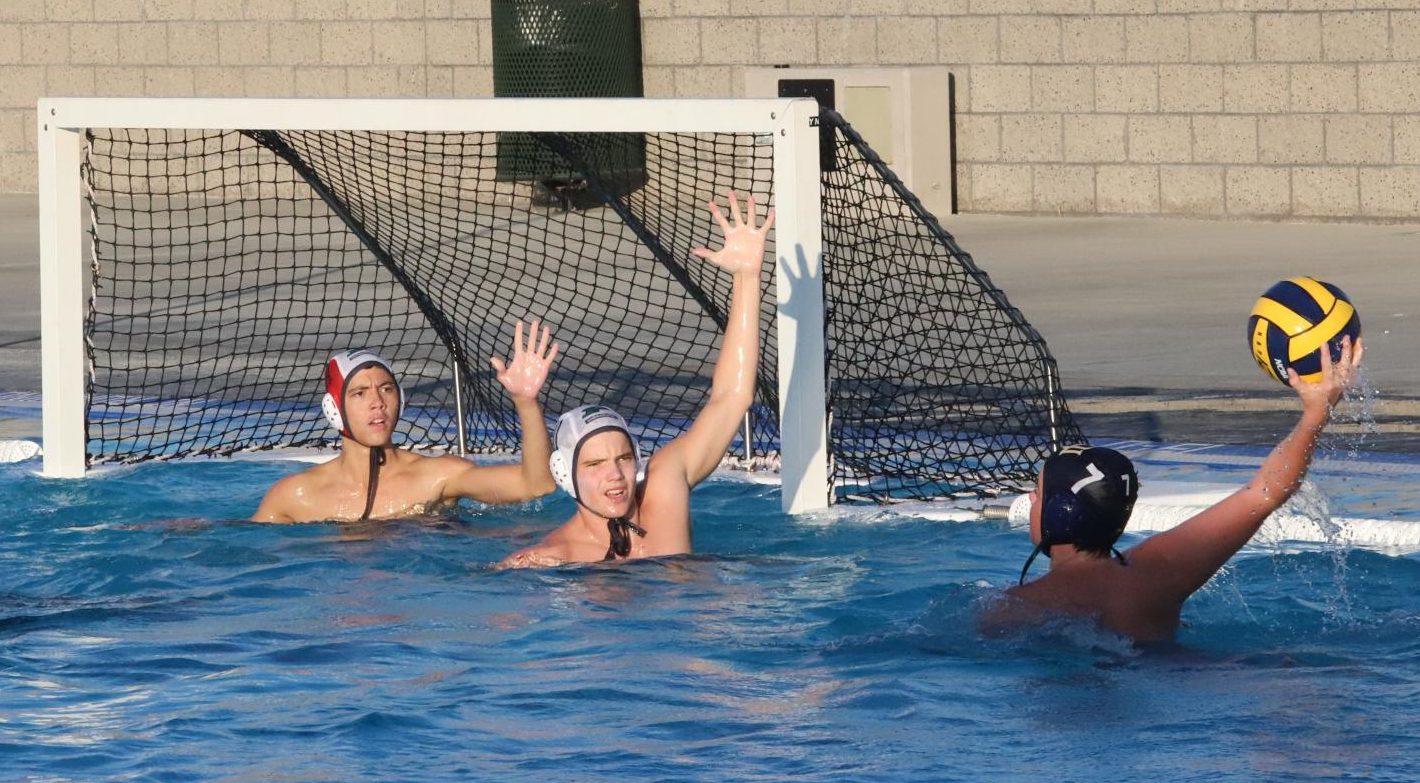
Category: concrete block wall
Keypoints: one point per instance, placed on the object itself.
(1254, 109)
(251, 48)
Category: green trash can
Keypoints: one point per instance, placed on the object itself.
(568, 49)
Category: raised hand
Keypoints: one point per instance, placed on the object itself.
(743, 251)
(524, 375)
(1335, 378)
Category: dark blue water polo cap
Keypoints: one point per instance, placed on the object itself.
(1087, 496)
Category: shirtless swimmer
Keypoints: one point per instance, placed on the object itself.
(374, 479)
(597, 460)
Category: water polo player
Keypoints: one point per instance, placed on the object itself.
(372, 478)
(597, 461)
(1083, 499)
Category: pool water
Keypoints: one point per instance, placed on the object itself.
(147, 634)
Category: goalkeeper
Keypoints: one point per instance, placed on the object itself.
(597, 461)
(372, 478)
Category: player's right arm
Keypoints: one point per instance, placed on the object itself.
(1186, 557)
(523, 376)
(532, 557)
(551, 551)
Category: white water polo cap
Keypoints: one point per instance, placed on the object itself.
(338, 372)
(573, 429)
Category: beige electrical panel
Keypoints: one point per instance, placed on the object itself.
(870, 111)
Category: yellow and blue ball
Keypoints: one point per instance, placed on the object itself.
(1293, 320)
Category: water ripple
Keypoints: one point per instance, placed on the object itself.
(146, 635)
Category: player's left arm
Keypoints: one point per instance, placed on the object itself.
(699, 450)
(523, 376)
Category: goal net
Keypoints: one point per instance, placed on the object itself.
(225, 265)
(938, 386)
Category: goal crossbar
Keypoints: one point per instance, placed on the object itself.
(590, 115)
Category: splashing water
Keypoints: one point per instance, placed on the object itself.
(1313, 505)
(1358, 410)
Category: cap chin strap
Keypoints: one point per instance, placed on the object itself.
(1041, 547)
(377, 458)
(620, 531)
(1044, 546)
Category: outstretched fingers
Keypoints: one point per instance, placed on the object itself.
(743, 248)
(524, 374)
(1345, 364)
(751, 209)
(735, 207)
(751, 213)
(719, 217)
(768, 221)
(1336, 376)
(542, 337)
(1350, 362)
(544, 351)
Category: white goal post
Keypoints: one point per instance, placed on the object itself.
(789, 124)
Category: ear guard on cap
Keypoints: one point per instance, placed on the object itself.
(338, 372)
(561, 472)
(331, 409)
(1061, 520)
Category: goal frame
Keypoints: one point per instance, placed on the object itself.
(790, 123)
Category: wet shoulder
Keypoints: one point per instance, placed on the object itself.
(1118, 597)
(1009, 611)
(315, 478)
(426, 471)
(296, 497)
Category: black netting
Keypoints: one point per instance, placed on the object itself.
(937, 385)
(221, 284)
(229, 265)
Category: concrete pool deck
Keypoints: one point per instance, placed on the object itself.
(1146, 316)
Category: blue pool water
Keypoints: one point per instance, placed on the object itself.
(146, 634)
